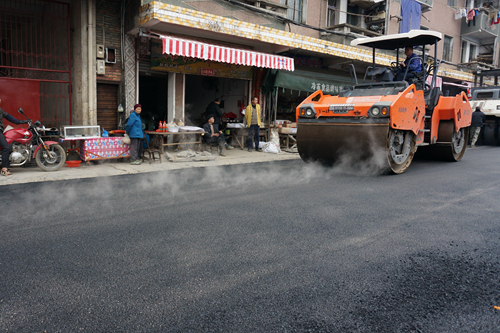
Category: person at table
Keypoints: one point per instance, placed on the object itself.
(252, 117)
(134, 131)
(413, 63)
(213, 135)
(213, 110)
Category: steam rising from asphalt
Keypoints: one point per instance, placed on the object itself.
(352, 163)
(173, 185)
(363, 161)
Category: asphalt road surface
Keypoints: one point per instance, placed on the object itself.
(285, 247)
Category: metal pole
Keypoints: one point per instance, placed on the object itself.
(373, 58)
(434, 72)
(423, 65)
(276, 106)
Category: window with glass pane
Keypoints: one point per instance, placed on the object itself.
(294, 11)
(352, 19)
(452, 3)
(331, 13)
(463, 52)
(472, 52)
(447, 48)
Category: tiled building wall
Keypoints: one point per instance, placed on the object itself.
(226, 9)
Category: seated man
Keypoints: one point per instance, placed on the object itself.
(412, 62)
(213, 135)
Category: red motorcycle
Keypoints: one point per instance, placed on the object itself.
(27, 144)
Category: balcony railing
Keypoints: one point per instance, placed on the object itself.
(426, 5)
(480, 28)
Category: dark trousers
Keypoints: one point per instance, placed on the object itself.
(135, 148)
(399, 76)
(220, 140)
(253, 133)
(5, 151)
(473, 22)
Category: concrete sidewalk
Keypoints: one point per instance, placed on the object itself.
(122, 167)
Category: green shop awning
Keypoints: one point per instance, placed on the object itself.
(306, 81)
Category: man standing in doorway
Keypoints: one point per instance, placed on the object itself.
(252, 116)
(213, 110)
(478, 120)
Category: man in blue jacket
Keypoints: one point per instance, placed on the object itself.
(412, 62)
(134, 131)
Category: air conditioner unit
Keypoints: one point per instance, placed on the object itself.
(110, 56)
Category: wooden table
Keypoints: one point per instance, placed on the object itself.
(285, 140)
(161, 135)
(239, 134)
(100, 148)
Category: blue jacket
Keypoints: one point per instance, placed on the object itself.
(413, 65)
(134, 126)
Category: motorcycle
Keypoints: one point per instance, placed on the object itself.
(27, 144)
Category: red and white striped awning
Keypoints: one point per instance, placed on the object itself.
(206, 51)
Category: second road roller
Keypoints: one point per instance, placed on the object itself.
(384, 119)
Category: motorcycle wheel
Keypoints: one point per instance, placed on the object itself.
(52, 160)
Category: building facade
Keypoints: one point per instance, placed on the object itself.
(88, 62)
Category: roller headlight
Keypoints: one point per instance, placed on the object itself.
(375, 111)
(307, 111)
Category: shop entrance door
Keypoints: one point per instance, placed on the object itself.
(35, 59)
(107, 106)
(202, 90)
(153, 98)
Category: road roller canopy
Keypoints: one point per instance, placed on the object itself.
(392, 42)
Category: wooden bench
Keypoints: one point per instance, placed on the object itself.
(178, 135)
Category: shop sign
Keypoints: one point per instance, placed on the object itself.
(195, 66)
(302, 80)
(207, 71)
(326, 88)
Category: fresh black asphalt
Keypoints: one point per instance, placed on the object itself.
(281, 247)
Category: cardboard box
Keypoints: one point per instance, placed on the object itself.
(285, 130)
(293, 125)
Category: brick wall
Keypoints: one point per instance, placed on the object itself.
(108, 17)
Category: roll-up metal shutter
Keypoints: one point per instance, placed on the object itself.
(107, 106)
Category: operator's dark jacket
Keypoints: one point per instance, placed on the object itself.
(478, 119)
(214, 110)
(10, 118)
(208, 133)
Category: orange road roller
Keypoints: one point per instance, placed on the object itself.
(384, 119)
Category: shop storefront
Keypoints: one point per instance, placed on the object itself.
(180, 77)
(205, 80)
(286, 90)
